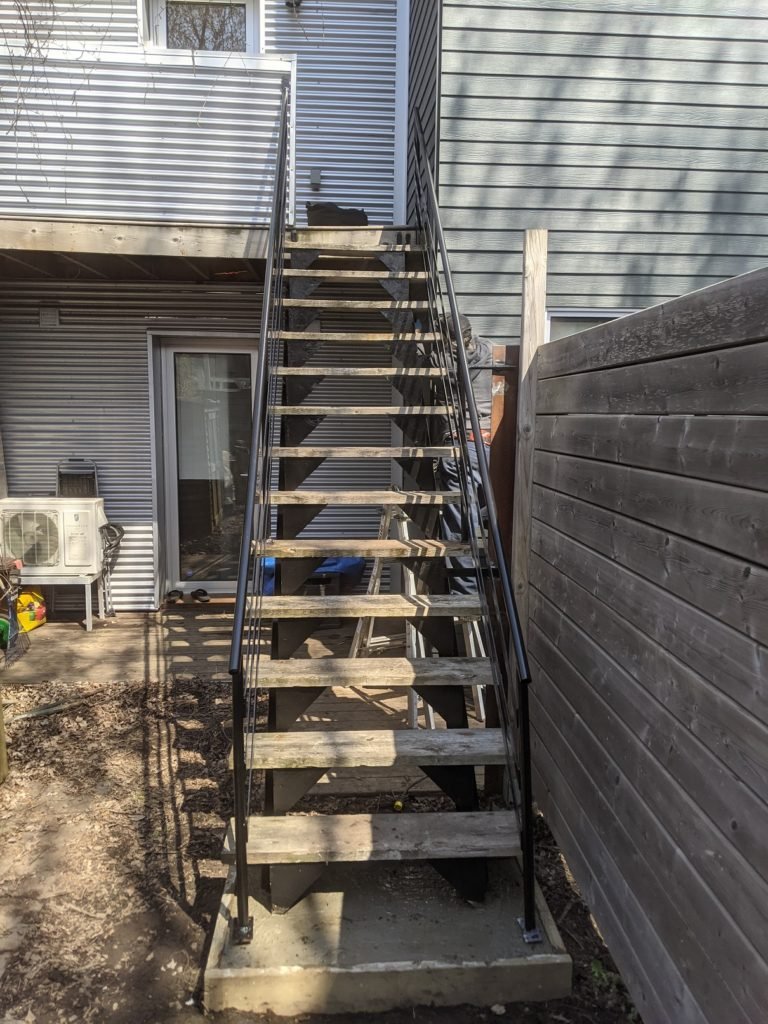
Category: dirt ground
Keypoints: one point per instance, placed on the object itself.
(110, 827)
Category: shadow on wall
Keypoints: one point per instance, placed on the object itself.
(646, 168)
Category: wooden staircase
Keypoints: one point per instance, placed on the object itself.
(349, 288)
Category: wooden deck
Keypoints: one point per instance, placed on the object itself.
(181, 642)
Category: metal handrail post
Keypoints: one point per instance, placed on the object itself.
(242, 925)
(528, 922)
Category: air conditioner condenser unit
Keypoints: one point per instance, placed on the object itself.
(53, 536)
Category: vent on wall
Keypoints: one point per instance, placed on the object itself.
(49, 316)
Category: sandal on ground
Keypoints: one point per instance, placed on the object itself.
(173, 596)
(201, 595)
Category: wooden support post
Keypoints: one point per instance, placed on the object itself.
(533, 328)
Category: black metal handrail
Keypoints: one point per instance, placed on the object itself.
(246, 630)
(430, 225)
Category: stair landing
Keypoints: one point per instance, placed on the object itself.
(427, 947)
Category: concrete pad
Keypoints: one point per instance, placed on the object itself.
(372, 937)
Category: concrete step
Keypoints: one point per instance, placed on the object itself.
(375, 672)
(381, 748)
(366, 606)
(364, 548)
(381, 936)
(346, 838)
(365, 497)
(361, 337)
(360, 410)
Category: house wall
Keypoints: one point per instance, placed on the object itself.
(83, 389)
(648, 638)
(635, 132)
(42, 23)
(345, 98)
(88, 135)
(424, 78)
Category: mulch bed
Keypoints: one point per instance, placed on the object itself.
(111, 823)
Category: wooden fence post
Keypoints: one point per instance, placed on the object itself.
(533, 327)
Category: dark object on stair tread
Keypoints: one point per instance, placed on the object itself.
(326, 215)
(201, 595)
(174, 595)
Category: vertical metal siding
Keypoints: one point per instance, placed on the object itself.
(55, 22)
(635, 132)
(165, 139)
(83, 390)
(345, 98)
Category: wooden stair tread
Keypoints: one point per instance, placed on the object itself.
(358, 371)
(356, 606)
(359, 337)
(377, 748)
(365, 452)
(365, 497)
(360, 410)
(356, 248)
(323, 838)
(377, 672)
(365, 548)
(361, 275)
(363, 304)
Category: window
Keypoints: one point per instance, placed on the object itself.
(561, 323)
(224, 26)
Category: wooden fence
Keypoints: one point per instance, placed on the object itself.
(646, 579)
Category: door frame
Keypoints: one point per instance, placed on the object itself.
(162, 348)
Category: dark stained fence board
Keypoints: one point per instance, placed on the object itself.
(726, 658)
(729, 313)
(651, 864)
(730, 589)
(659, 991)
(734, 736)
(691, 778)
(724, 449)
(728, 518)
(732, 381)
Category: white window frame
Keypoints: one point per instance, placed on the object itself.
(582, 313)
(153, 13)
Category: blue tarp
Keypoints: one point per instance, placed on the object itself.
(350, 570)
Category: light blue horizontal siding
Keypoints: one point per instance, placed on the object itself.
(634, 130)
